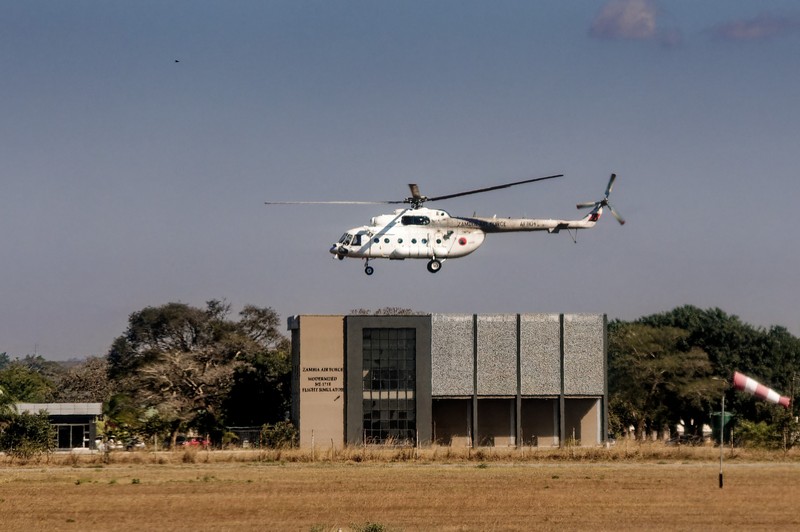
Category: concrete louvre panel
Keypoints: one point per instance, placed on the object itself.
(451, 354)
(540, 356)
(497, 354)
(584, 356)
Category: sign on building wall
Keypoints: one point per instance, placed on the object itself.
(321, 380)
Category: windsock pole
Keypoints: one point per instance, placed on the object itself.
(745, 383)
(721, 438)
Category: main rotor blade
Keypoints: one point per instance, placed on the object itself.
(496, 187)
(330, 202)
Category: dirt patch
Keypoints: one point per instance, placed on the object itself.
(403, 495)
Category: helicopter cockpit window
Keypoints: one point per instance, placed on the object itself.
(350, 240)
(415, 220)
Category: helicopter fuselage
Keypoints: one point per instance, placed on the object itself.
(425, 233)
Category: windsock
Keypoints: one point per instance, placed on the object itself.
(745, 383)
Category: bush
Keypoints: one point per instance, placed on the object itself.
(782, 433)
(28, 435)
(281, 435)
(761, 435)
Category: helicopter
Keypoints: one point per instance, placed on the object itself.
(418, 232)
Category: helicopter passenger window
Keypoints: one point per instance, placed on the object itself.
(415, 220)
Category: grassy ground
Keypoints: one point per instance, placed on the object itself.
(641, 488)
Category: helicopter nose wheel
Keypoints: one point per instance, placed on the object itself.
(340, 256)
(434, 266)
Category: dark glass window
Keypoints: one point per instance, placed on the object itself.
(389, 385)
(415, 220)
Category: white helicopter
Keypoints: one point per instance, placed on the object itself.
(418, 232)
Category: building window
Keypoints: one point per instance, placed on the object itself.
(389, 385)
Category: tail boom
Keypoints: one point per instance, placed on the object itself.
(513, 225)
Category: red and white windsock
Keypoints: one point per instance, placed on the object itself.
(745, 383)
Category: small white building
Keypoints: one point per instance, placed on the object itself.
(75, 423)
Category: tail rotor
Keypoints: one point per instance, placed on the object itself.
(597, 205)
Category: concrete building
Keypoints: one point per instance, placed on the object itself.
(479, 380)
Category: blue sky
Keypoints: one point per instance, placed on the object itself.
(130, 179)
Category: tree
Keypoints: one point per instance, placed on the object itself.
(7, 407)
(48, 369)
(770, 355)
(261, 391)
(28, 435)
(182, 362)
(23, 384)
(85, 383)
(657, 380)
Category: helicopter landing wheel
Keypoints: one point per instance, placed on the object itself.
(369, 270)
(340, 257)
(434, 266)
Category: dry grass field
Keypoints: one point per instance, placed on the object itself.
(642, 487)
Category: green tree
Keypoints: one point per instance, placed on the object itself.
(261, 392)
(25, 384)
(771, 356)
(123, 417)
(48, 369)
(28, 435)
(7, 407)
(657, 380)
(182, 361)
